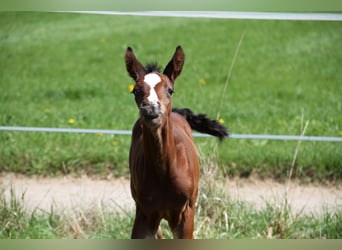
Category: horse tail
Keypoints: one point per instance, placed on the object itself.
(202, 123)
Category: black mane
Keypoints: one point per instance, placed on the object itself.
(152, 67)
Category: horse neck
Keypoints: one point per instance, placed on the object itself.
(159, 145)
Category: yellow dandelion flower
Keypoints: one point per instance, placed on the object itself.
(71, 121)
(47, 110)
(202, 81)
(114, 143)
(130, 87)
(221, 121)
(340, 133)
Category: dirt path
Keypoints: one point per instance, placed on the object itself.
(72, 194)
(301, 198)
(68, 193)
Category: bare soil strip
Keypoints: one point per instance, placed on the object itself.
(69, 194)
(302, 199)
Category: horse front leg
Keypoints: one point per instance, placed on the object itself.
(145, 227)
(182, 225)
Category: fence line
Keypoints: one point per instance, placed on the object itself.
(202, 14)
(225, 15)
(128, 132)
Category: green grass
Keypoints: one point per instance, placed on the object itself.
(217, 217)
(57, 66)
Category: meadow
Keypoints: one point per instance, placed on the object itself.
(67, 71)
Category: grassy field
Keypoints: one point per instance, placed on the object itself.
(106, 225)
(273, 222)
(218, 216)
(67, 70)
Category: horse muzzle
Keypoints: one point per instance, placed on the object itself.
(150, 110)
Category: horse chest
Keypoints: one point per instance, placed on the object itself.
(157, 195)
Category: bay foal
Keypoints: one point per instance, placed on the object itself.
(163, 159)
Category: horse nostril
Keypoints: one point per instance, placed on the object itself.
(144, 104)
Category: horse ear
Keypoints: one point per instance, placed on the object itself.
(174, 67)
(133, 66)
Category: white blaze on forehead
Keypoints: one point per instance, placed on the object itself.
(152, 80)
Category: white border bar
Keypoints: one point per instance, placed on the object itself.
(224, 15)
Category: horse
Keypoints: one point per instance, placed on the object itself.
(163, 159)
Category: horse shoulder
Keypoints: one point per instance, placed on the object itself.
(186, 153)
(181, 126)
(183, 134)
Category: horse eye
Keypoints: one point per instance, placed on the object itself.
(170, 91)
(135, 91)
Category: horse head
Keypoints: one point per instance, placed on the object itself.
(153, 90)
